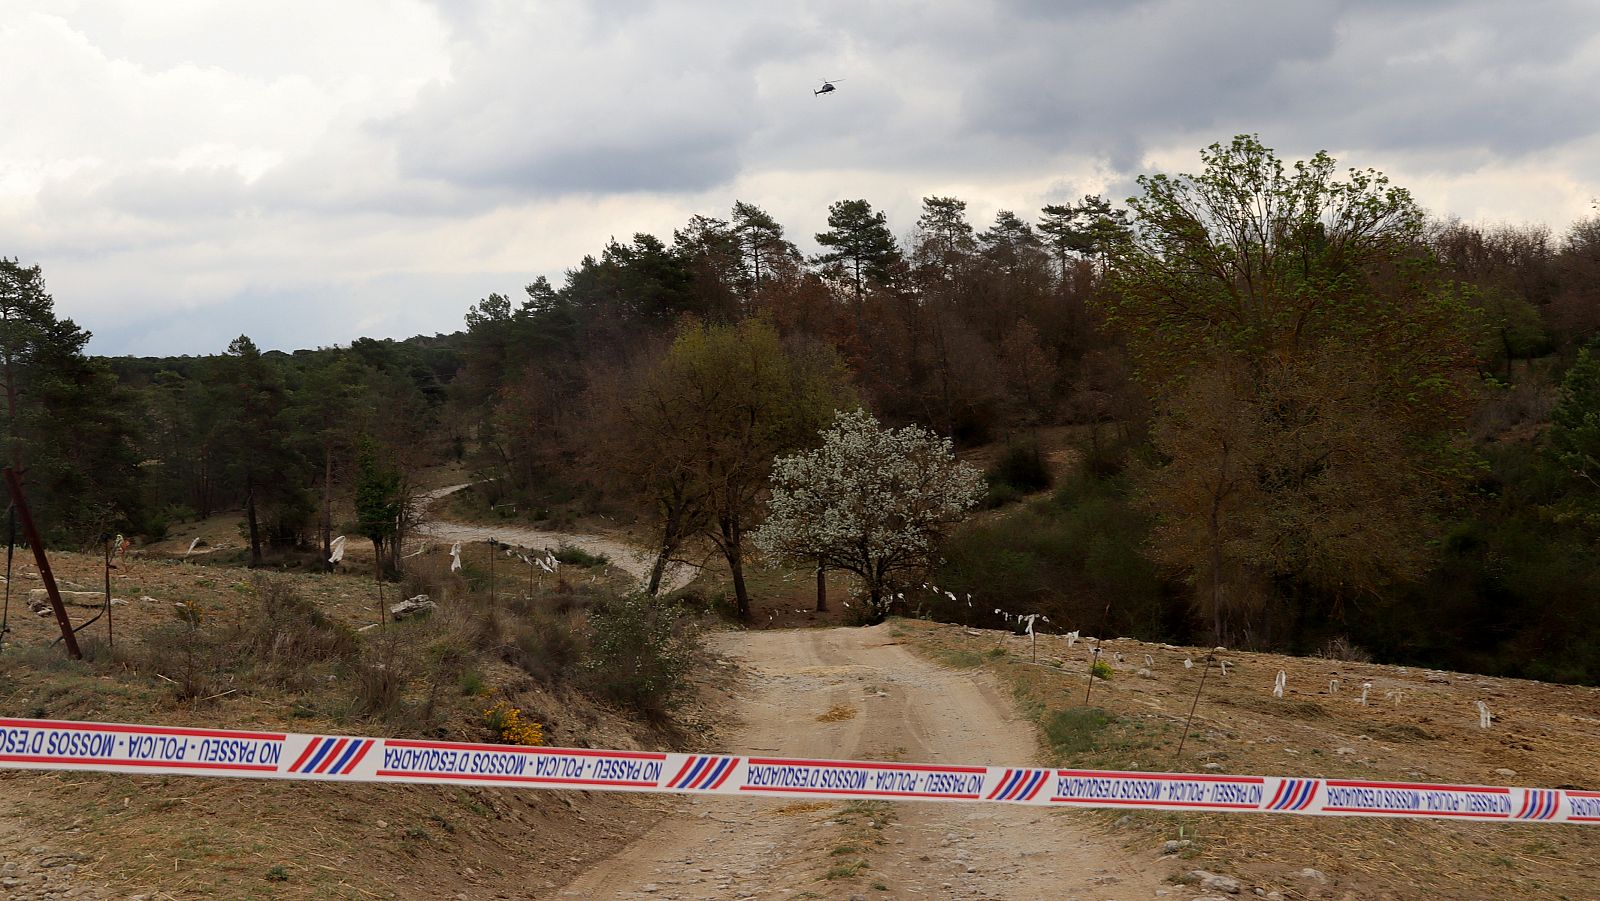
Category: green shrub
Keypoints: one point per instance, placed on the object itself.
(1000, 494)
(1067, 556)
(577, 556)
(1076, 730)
(547, 645)
(641, 652)
(286, 631)
(1022, 467)
(378, 682)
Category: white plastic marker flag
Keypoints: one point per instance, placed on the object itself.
(1279, 683)
(1484, 718)
(455, 557)
(192, 545)
(170, 751)
(336, 550)
(1072, 638)
(1188, 663)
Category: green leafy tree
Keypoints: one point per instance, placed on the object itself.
(69, 426)
(1574, 440)
(722, 403)
(1010, 244)
(871, 501)
(1088, 229)
(1311, 369)
(944, 243)
(379, 501)
(323, 413)
(766, 254)
(251, 398)
(861, 251)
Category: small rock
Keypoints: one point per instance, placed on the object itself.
(1212, 767)
(1214, 882)
(1176, 845)
(1503, 771)
(420, 605)
(1124, 822)
(1143, 673)
(1313, 875)
(1342, 752)
(971, 868)
(649, 887)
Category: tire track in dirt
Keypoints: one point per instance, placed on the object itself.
(906, 709)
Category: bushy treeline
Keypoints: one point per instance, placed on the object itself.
(1309, 411)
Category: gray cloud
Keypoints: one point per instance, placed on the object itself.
(186, 160)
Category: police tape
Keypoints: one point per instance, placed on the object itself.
(170, 751)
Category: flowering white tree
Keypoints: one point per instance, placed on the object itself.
(871, 501)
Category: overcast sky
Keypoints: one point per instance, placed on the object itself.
(310, 172)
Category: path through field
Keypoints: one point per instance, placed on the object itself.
(887, 705)
(626, 557)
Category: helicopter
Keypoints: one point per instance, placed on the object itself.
(827, 86)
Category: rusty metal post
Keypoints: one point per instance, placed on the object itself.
(14, 483)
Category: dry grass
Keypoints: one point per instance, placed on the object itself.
(240, 838)
(838, 713)
(1548, 734)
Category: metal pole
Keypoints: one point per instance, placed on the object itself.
(14, 483)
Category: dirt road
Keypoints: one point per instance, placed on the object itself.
(622, 555)
(875, 701)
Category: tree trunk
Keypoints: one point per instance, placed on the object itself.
(733, 549)
(1214, 533)
(657, 570)
(875, 600)
(822, 588)
(250, 516)
(327, 506)
(671, 538)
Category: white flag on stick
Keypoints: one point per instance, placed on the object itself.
(455, 557)
(336, 550)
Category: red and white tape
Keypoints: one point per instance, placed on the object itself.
(117, 748)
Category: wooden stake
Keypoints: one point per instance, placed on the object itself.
(14, 483)
(1194, 705)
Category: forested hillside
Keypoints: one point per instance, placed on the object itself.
(1306, 415)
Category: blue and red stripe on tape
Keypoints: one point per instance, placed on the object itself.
(120, 748)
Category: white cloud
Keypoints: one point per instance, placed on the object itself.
(189, 169)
